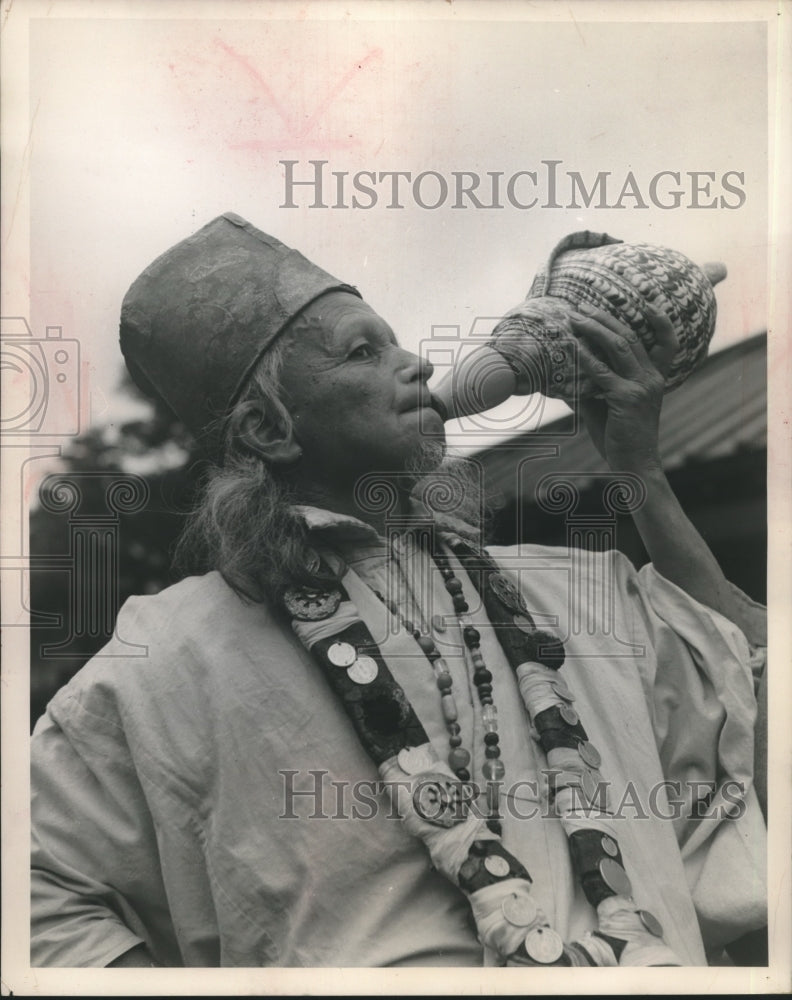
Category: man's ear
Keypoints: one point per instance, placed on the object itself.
(265, 434)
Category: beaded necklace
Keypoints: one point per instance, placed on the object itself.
(458, 757)
(463, 844)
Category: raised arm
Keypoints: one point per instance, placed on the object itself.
(622, 414)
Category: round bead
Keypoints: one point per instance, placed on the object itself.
(445, 682)
(492, 753)
(491, 739)
(458, 758)
(493, 770)
(454, 728)
(455, 741)
(486, 699)
(409, 626)
(471, 635)
(463, 774)
(460, 604)
(433, 655)
(482, 676)
(453, 586)
(426, 643)
(449, 708)
(484, 689)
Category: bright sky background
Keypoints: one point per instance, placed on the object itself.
(143, 130)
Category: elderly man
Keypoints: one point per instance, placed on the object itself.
(353, 741)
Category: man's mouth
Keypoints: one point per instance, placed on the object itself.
(423, 402)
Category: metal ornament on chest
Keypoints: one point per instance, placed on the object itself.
(312, 604)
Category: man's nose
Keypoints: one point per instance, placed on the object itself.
(413, 366)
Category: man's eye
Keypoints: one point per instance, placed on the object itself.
(361, 351)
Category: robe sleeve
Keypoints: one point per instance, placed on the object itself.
(701, 686)
(94, 849)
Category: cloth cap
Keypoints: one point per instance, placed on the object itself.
(196, 321)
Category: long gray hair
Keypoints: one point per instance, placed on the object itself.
(245, 524)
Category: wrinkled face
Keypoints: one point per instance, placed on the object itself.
(359, 402)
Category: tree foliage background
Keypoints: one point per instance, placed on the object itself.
(154, 447)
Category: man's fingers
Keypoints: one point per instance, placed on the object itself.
(666, 340)
(613, 338)
(594, 369)
(587, 312)
(620, 347)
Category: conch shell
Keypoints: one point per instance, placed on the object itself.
(622, 279)
(530, 347)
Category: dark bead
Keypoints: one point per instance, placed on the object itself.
(453, 586)
(458, 759)
(455, 741)
(484, 689)
(463, 774)
(409, 626)
(454, 728)
(491, 739)
(482, 676)
(433, 654)
(460, 604)
(445, 682)
(471, 635)
(426, 643)
(486, 699)
(492, 752)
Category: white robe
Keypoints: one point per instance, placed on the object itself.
(160, 781)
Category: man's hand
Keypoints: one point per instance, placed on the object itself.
(622, 395)
(622, 413)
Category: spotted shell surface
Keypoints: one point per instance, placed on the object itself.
(621, 279)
